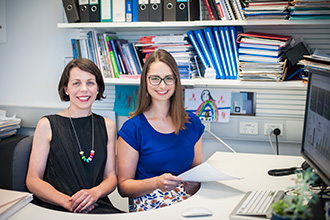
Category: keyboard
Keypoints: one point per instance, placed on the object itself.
(257, 203)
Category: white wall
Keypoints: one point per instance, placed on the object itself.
(32, 58)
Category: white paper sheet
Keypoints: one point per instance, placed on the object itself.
(205, 173)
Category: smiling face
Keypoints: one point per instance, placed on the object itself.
(82, 88)
(161, 92)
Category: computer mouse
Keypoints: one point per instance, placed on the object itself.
(195, 212)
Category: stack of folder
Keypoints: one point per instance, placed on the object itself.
(217, 49)
(115, 57)
(261, 56)
(8, 125)
(271, 9)
(318, 60)
(178, 45)
(302, 10)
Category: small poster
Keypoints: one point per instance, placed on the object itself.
(126, 99)
(209, 104)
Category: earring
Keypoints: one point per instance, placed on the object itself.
(67, 94)
(97, 93)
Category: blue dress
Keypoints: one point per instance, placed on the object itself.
(161, 153)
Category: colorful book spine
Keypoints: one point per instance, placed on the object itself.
(112, 41)
(112, 57)
(208, 7)
(123, 56)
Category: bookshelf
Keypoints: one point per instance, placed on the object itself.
(291, 27)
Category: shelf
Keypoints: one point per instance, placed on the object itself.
(219, 83)
(189, 24)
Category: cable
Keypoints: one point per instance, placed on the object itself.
(210, 132)
(271, 143)
(277, 132)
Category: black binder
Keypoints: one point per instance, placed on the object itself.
(84, 10)
(143, 10)
(182, 10)
(71, 10)
(94, 11)
(169, 7)
(156, 11)
(194, 10)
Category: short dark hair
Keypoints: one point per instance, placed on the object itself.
(85, 65)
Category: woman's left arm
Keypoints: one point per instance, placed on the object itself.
(109, 182)
(192, 187)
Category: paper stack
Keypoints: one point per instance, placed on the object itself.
(178, 46)
(303, 9)
(8, 125)
(261, 56)
(266, 9)
(12, 201)
(318, 60)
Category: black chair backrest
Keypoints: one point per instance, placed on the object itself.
(20, 164)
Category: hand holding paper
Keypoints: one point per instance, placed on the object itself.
(205, 173)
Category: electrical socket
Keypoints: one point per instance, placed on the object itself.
(207, 125)
(270, 127)
(248, 128)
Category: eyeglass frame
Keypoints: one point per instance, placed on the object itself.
(162, 79)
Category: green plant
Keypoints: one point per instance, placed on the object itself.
(295, 204)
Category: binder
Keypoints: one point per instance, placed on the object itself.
(182, 10)
(229, 10)
(106, 10)
(135, 6)
(214, 51)
(118, 11)
(143, 10)
(231, 53)
(71, 10)
(198, 49)
(202, 42)
(84, 10)
(194, 10)
(156, 10)
(234, 31)
(129, 11)
(221, 50)
(169, 8)
(226, 52)
(94, 11)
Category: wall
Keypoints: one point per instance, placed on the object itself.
(32, 60)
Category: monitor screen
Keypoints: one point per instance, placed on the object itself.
(315, 144)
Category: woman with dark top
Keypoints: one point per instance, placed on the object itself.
(72, 162)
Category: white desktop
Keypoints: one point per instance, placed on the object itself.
(218, 197)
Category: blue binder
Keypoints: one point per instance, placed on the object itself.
(221, 50)
(214, 51)
(202, 42)
(198, 49)
(231, 53)
(234, 30)
(226, 52)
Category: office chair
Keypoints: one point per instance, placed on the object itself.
(20, 163)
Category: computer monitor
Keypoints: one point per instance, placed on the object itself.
(315, 144)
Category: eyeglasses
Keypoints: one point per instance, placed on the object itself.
(156, 80)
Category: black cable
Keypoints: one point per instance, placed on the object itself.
(277, 132)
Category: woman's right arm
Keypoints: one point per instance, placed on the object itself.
(37, 165)
(127, 159)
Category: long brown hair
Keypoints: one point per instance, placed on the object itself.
(176, 111)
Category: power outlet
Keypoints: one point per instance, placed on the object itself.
(248, 128)
(269, 128)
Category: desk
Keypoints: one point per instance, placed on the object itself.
(220, 197)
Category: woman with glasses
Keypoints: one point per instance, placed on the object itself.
(160, 140)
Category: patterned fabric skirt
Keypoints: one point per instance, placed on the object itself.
(158, 199)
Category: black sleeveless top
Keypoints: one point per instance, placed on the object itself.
(65, 170)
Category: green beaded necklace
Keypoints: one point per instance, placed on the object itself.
(81, 152)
